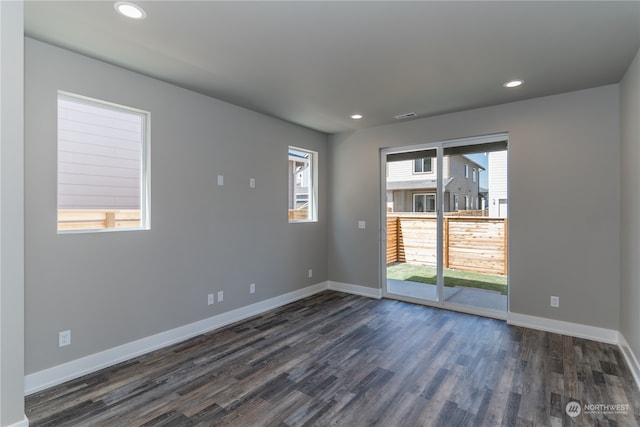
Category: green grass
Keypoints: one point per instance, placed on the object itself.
(424, 274)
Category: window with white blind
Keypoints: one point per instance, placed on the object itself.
(103, 171)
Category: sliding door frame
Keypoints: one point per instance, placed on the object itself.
(439, 146)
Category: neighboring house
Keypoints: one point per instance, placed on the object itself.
(99, 155)
(299, 163)
(411, 185)
(497, 196)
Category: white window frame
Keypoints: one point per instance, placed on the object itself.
(423, 161)
(313, 185)
(466, 171)
(425, 196)
(145, 172)
(474, 174)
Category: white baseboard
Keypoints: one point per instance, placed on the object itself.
(76, 368)
(22, 423)
(609, 336)
(630, 357)
(355, 289)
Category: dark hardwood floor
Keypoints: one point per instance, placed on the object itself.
(344, 360)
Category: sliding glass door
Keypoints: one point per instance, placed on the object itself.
(411, 212)
(445, 224)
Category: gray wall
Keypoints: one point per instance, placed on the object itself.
(630, 212)
(12, 217)
(564, 199)
(113, 288)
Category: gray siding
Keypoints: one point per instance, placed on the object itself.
(99, 156)
(461, 185)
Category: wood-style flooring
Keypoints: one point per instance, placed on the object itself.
(344, 360)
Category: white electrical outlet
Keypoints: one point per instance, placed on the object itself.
(220, 180)
(555, 301)
(362, 225)
(220, 296)
(252, 183)
(64, 338)
(310, 273)
(210, 299)
(252, 288)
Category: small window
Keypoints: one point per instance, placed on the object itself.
(466, 170)
(456, 202)
(474, 174)
(467, 203)
(303, 194)
(103, 174)
(422, 165)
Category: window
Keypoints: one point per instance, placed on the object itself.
(303, 194)
(456, 203)
(103, 174)
(422, 165)
(467, 203)
(424, 202)
(466, 170)
(474, 174)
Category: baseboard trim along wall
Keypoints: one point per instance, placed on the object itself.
(609, 336)
(630, 357)
(58, 374)
(76, 368)
(577, 330)
(348, 288)
(22, 423)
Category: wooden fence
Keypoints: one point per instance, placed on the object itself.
(477, 244)
(92, 219)
(298, 214)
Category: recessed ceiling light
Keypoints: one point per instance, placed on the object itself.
(513, 83)
(356, 116)
(130, 10)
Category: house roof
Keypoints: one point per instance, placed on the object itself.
(474, 163)
(315, 63)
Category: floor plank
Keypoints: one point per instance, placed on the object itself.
(345, 360)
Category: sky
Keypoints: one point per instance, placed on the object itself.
(481, 159)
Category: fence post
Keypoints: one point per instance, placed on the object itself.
(110, 219)
(397, 239)
(506, 246)
(445, 243)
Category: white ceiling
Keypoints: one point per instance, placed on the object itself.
(315, 63)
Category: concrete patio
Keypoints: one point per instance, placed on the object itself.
(480, 298)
